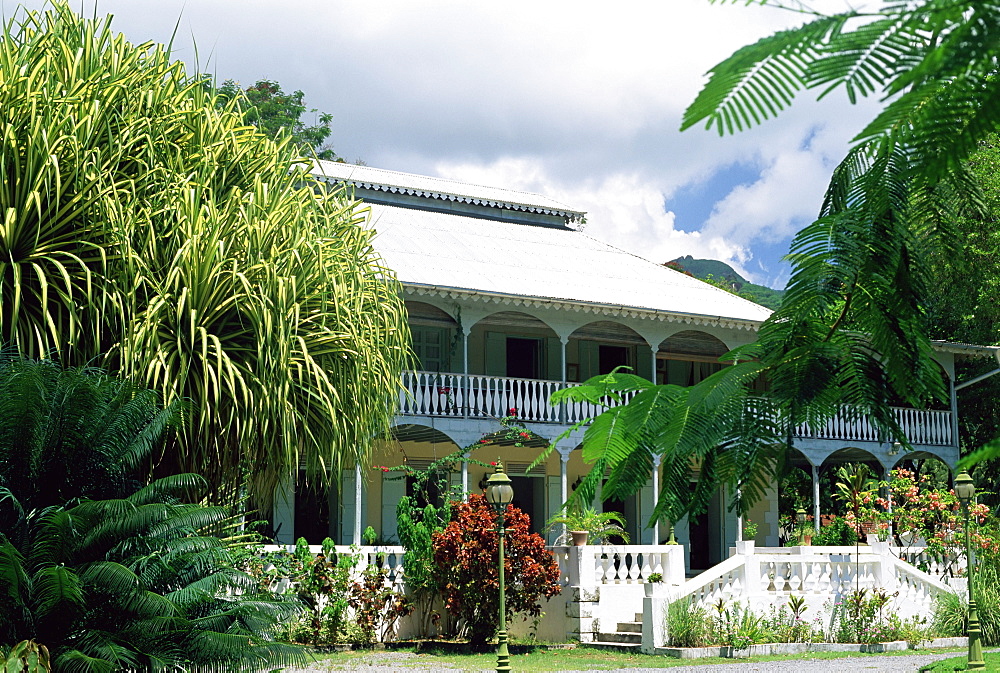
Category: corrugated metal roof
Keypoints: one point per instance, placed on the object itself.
(505, 259)
(439, 188)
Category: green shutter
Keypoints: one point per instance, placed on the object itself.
(496, 354)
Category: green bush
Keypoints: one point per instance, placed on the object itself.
(107, 572)
(836, 533)
(687, 625)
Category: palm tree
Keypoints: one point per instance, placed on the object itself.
(150, 230)
(108, 573)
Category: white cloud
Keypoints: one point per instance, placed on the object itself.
(580, 100)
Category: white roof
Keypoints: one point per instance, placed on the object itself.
(445, 251)
(439, 188)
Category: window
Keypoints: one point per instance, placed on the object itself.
(431, 347)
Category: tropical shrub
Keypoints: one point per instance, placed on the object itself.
(106, 572)
(866, 616)
(687, 625)
(837, 532)
(466, 561)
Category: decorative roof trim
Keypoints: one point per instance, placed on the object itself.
(969, 350)
(570, 215)
(579, 307)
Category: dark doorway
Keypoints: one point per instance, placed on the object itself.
(431, 493)
(524, 358)
(699, 536)
(621, 508)
(312, 513)
(526, 499)
(609, 357)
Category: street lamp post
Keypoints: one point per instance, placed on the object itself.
(500, 494)
(800, 519)
(965, 489)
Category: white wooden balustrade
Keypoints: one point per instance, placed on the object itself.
(766, 578)
(387, 557)
(480, 396)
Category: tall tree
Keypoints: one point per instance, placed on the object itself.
(148, 228)
(276, 114)
(852, 329)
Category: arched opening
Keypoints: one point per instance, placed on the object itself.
(925, 463)
(436, 338)
(601, 346)
(688, 357)
(516, 345)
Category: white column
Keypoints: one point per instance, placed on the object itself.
(656, 492)
(563, 474)
(357, 506)
(467, 385)
(652, 373)
(565, 351)
(954, 409)
(739, 517)
(465, 476)
(563, 413)
(815, 483)
(887, 476)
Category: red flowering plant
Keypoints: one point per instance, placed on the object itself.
(466, 565)
(426, 509)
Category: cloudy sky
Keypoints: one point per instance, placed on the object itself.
(579, 100)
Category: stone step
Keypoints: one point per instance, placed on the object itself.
(620, 647)
(635, 638)
(630, 627)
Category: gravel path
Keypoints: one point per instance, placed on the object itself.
(409, 662)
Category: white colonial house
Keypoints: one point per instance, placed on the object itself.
(510, 300)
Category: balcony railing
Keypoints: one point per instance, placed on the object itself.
(479, 396)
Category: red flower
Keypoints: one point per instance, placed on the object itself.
(525, 435)
(484, 441)
(493, 463)
(512, 411)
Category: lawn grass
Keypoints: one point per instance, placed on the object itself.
(580, 658)
(992, 660)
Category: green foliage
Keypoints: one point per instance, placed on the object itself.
(466, 558)
(851, 335)
(101, 567)
(837, 532)
(687, 625)
(951, 612)
(27, 657)
(600, 526)
(277, 114)
(865, 616)
(150, 230)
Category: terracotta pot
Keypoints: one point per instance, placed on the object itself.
(579, 537)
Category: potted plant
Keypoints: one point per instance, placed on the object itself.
(650, 583)
(588, 525)
(745, 546)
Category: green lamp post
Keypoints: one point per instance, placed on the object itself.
(965, 489)
(500, 494)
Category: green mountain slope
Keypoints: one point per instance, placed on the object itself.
(722, 275)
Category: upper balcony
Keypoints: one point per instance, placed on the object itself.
(480, 396)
